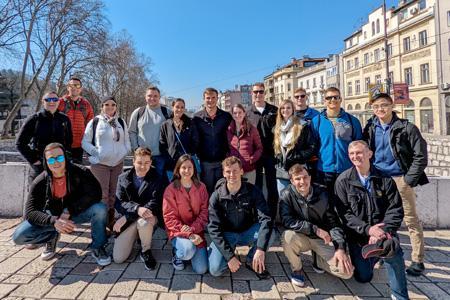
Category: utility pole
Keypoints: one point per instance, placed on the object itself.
(386, 50)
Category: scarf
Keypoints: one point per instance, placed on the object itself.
(112, 121)
(286, 133)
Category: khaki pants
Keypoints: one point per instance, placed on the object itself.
(411, 219)
(125, 241)
(296, 243)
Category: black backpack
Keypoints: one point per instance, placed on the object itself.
(95, 123)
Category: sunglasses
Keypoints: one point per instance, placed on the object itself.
(330, 98)
(51, 99)
(258, 92)
(76, 85)
(299, 96)
(53, 160)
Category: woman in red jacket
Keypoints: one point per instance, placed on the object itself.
(244, 142)
(185, 212)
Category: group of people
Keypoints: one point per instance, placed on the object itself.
(331, 182)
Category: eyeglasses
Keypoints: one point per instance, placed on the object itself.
(299, 96)
(258, 92)
(331, 98)
(53, 160)
(74, 85)
(382, 106)
(53, 99)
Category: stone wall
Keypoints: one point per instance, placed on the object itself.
(438, 155)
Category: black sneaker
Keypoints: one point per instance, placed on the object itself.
(101, 257)
(415, 269)
(315, 266)
(50, 248)
(148, 260)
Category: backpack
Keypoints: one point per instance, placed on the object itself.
(95, 123)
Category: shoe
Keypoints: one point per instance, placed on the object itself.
(177, 263)
(415, 269)
(101, 257)
(315, 267)
(298, 278)
(32, 246)
(263, 275)
(50, 248)
(148, 260)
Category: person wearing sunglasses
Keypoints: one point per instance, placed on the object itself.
(400, 152)
(63, 196)
(302, 110)
(45, 127)
(79, 111)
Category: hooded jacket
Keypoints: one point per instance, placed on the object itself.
(237, 213)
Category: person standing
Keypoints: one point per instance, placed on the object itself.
(302, 110)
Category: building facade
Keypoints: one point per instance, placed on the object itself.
(313, 80)
(241, 94)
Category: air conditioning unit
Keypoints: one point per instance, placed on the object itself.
(445, 86)
(414, 10)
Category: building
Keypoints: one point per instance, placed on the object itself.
(241, 94)
(333, 71)
(412, 53)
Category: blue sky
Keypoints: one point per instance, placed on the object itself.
(196, 44)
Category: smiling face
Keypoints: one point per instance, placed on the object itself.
(74, 88)
(333, 100)
(286, 110)
(109, 107)
(152, 98)
(382, 108)
(360, 155)
(210, 100)
(142, 164)
(258, 96)
(54, 163)
(178, 109)
(302, 182)
(50, 102)
(238, 115)
(186, 170)
(233, 173)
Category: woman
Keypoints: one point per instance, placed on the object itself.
(177, 137)
(185, 212)
(106, 141)
(244, 142)
(293, 142)
(139, 197)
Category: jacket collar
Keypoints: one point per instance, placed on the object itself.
(354, 177)
(225, 194)
(340, 115)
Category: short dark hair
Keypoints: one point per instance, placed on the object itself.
(260, 84)
(76, 79)
(300, 89)
(297, 169)
(209, 91)
(332, 89)
(52, 146)
(229, 161)
(381, 96)
(178, 100)
(153, 88)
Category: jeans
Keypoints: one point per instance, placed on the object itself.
(395, 267)
(184, 249)
(268, 164)
(217, 263)
(158, 163)
(27, 233)
(211, 173)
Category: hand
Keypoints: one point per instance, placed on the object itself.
(144, 213)
(196, 239)
(119, 223)
(325, 236)
(376, 231)
(65, 216)
(186, 228)
(343, 262)
(373, 240)
(37, 163)
(258, 261)
(234, 264)
(64, 226)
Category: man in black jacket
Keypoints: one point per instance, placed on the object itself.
(400, 152)
(238, 216)
(211, 124)
(39, 130)
(62, 196)
(311, 224)
(371, 209)
(263, 115)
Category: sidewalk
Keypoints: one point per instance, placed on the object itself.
(74, 275)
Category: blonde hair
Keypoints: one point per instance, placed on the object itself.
(296, 127)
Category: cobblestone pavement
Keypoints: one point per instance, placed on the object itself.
(72, 274)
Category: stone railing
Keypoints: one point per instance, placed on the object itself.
(438, 155)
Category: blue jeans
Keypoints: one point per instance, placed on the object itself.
(27, 233)
(158, 162)
(184, 249)
(217, 263)
(281, 184)
(395, 267)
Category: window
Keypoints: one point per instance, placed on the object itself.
(366, 85)
(424, 73)
(448, 18)
(307, 84)
(282, 88)
(406, 44)
(356, 62)
(321, 79)
(373, 28)
(391, 77)
(314, 83)
(365, 35)
(378, 79)
(301, 84)
(422, 4)
(376, 55)
(403, 14)
(366, 58)
(378, 25)
(408, 76)
(357, 87)
(289, 87)
(423, 38)
(349, 89)
(348, 65)
(389, 50)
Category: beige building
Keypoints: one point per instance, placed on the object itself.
(313, 80)
(412, 51)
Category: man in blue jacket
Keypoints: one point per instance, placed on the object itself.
(334, 129)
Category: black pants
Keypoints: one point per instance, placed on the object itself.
(34, 171)
(328, 179)
(267, 163)
(77, 155)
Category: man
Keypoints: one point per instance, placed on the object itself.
(334, 129)
(238, 216)
(211, 124)
(400, 152)
(311, 224)
(61, 197)
(79, 111)
(263, 116)
(45, 127)
(145, 126)
(302, 110)
(371, 210)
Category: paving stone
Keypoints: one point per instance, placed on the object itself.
(436, 256)
(144, 295)
(138, 270)
(293, 296)
(114, 267)
(264, 289)
(12, 265)
(320, 297)
(117, 298)
(240, 287)
(28, 253)
(37, 266)
(431, 290)
(384, 289)
(101, 285)
(68, 261)
(5, 289)
(244, 274)
(216, 285)
(86, 269)
(167, 296)
(124, 287)
(3, 276)
(199, 297)
(437, 275)
(275, 269)
(165, 271)
(380, 276)
(162, 256)
(57, 272)
(19, 279)
(328, 284)
(284, 285)
(36, 288)
(237, 297)
(158, 244)
(361, 289)
(70, 287)
(9, 250)
(156, 285)
(187, 270)
(185, 284)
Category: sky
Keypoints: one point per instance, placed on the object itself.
(203, 43)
